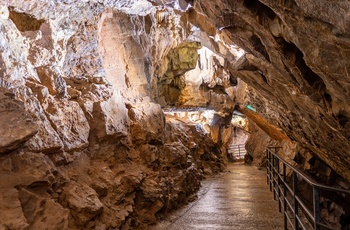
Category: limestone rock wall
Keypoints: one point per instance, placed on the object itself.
(83, 144)
(334, 208)
(297, 60)
(204, 82)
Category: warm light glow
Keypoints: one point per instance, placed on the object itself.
(239, 121)
(234, 49)
(198, 116)
(238, 52)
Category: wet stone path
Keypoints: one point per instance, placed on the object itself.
(238, 199)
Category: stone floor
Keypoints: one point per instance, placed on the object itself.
(239, 199)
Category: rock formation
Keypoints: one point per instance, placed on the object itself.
(290, 46)
(84, 142)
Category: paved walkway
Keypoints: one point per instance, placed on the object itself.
(239, 199)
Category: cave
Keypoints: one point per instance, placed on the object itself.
(116, 114)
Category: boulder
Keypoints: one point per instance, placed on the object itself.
(46, 139)
(174, 154)
(41, 212)
(149, 154)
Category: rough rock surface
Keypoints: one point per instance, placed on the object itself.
(16, 124)
(87, 146)
(288, 61)
(89, 74)
(207, 82)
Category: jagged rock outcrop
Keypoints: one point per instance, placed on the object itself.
(84, 79)
(288, 61)
(207, 82)
(16, 125)
(84, 144)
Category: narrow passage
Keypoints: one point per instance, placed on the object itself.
(239, 199)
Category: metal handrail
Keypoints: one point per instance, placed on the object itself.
(278, 184)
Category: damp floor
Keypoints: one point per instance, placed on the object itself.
(239, 199)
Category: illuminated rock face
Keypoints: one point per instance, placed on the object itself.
(92, 142)
(84, 141)
(297, 63)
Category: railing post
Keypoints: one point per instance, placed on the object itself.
(275, 162)
(273, 176)
(267, 166)
(270, 172)
(239, 151)
(285, 197)
(316, 208)
(278, 186)
(295, 192)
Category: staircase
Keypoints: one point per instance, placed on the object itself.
(237, 152)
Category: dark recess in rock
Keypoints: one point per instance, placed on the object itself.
(25, 22)
(257, 8)
(259, 47)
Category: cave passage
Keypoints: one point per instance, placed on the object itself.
(112, 112)
(239, 199)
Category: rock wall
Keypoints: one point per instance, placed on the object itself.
(206, 84)
(83, 144)
(334, 208)
(297, 61)
(81, 83)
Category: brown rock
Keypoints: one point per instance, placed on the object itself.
(11, 213)
(110, 118)
(150, 189)
(181, 59)
(174, 154)
(50, 77)
(148, 123)
(41, 212)
(68, 119)
(46, 140)
(82, 201)
(149, 154)
(16, 126)
(26, 169)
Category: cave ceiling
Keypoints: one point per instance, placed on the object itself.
(297, 61)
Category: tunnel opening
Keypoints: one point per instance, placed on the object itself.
(192, 97)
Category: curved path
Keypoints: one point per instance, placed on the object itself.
(238, 199)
